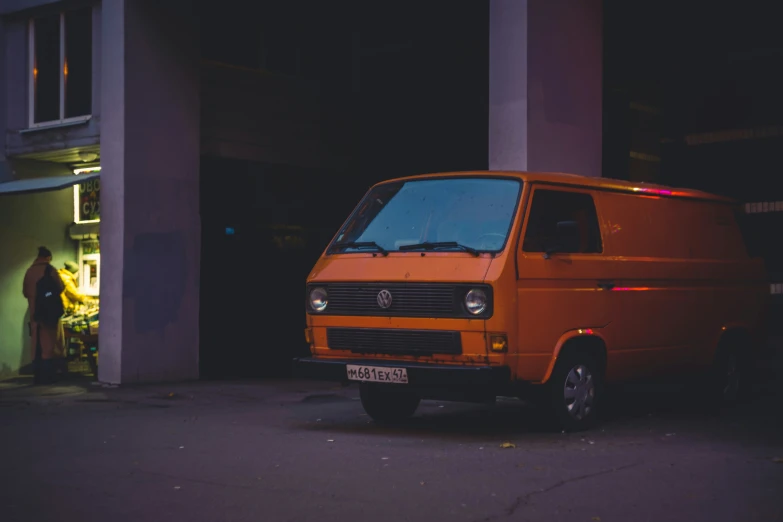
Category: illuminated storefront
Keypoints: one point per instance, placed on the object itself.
(86, 230)
(80, 324)
(63, 214)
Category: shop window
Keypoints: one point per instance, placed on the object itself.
(551, 207)
(60, 67)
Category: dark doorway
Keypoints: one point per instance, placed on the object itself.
(263, 228)
(374, 93)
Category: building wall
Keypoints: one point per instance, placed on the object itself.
(275, 86)
(260, 116)
(29, 221)
(18, 140)
(5, 174)
(13, 6)
(150, 192)
(645, 143)
(545, 94)
(422, 78)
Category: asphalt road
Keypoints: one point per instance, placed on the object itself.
(289, 451)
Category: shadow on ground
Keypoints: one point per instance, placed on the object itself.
(659, 409)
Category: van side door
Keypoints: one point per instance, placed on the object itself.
(657, 293)
(563, 290)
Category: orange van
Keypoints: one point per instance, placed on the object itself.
(473, 285)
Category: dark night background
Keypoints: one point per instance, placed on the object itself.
(402, 88)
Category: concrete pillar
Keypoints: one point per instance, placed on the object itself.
(150, 229)
(545, 85)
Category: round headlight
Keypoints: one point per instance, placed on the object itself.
(318, 299)
(476, 301)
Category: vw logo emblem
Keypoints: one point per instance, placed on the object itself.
(384, 299)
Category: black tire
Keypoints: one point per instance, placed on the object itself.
(388, 403)
(577, 379)
(727, 380)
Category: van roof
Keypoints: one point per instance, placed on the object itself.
(575, 180)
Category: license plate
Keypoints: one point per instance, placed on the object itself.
(377, 374)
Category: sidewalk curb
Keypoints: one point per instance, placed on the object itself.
(286, 391)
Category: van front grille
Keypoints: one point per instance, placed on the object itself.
(407, 300)
(394, 342)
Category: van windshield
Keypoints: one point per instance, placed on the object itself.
(467, 214)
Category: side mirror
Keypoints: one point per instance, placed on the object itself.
(567, 239)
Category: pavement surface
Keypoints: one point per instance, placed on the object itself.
(300, 451)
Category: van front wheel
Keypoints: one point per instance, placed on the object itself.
(388, 403)
(575, 389)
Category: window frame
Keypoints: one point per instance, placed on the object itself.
(535, 187)
(62, 121)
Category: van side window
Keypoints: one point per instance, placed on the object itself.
(550, 207)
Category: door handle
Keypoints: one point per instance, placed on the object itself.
(606, 285)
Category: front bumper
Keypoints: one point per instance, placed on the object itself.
(466, 381)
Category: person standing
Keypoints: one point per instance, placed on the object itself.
(71, 296)
(43, 288)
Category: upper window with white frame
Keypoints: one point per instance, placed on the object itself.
(60, 67)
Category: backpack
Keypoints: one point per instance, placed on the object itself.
(48, 303)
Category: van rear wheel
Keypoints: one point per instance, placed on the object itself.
(575, 390)
(728, 376)
(388, 403)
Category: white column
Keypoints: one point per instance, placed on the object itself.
(545, 85)
(112, 189)
(150, 230)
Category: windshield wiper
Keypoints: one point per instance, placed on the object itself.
(363, 244)
(429, 245)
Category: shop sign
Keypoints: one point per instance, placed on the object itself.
(89, 200)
